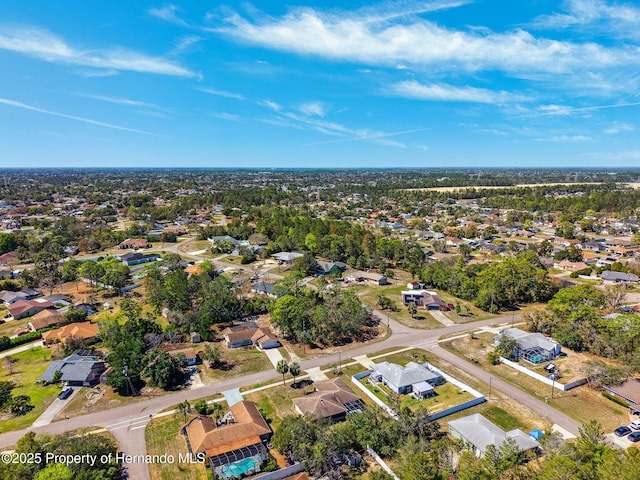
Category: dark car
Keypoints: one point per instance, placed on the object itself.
(65, 393)
(634, 436)
(622, 431)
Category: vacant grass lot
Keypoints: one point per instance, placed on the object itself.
(27, 369)
(12, 327)
(162, 436)
(239, 361)
(581, 403)
(275, 403)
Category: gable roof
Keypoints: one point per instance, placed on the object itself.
(526, 340)
(74, 368)
(328, 399)
(400, 376)
(23, 306)
(46, 318)
(619, 276)
(480, 432)
(85, 330)
(205, 436)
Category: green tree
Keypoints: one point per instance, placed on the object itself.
(413, 309)
(294, 370)
(5, 392)
(7, 243)
(57, 376)
(55, 471)
(184, 408)
(282, 367)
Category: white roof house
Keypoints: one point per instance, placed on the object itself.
(405, 379)
(533, 347)
(478, 432)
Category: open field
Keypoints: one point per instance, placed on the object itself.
(239, 361)
(162, 436)
(581, 403)
(194, 246)
(28, 367)
(12, 327)
(275, 403)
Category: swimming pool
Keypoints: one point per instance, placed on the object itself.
(240, 468)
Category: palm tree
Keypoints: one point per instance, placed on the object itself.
(184, 408)
(283, 368)
(294, 370)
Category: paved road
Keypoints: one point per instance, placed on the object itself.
(533, 403)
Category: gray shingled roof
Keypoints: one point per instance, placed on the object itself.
(526, 340)
(400, 376)
(74, 368)
(481, 433)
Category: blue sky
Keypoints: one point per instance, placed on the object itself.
(442, 83)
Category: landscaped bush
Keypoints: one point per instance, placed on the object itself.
(613, 398)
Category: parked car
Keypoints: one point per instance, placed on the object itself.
(65, 393)
(622, 431)
(635, 425)
(634, 436)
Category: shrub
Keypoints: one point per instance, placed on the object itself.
(494, 358)
(615, 399)
(201, 407)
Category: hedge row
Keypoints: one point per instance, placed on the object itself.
(613, 398)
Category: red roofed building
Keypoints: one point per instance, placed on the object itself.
(27, 308)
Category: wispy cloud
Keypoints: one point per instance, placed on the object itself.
(185, 42)
(168, 13)
(42, 44)
(231, 117)
(221, 93)
(13, 103)
(350, 36)
(543, 110)
(564, 138)
(620, 19)
(276, 107)
(313, 108)
(619, 127)
(123, 101)
(450, 93)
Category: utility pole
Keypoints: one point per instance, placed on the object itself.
(490, 380)
(553, 382)
(388, 326)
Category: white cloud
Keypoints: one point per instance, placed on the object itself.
(564, 138)
(351, 37)
(185, 42)
(42, 44)
(227, 116)
(13, 103)
(123, 101)
(276, 107)
(552, 109)
(622, 19)
(619, 127)
(313, 109)
(449, 93)
(221, 93)
(168, 13)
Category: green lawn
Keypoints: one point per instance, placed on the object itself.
(162, 436)
(27, 369)
(240, 361)
(275, 403)
(12, 327)
(581, 403)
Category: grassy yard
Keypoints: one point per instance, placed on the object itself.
(162, 436)
(12, 327)
(240, 361)
(275, 403)
(27, 369)
(581, 403)
(194, 246)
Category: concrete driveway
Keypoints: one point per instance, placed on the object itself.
(54, 409)
(274, 356)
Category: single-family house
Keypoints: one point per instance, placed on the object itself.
(238, 443)
(325, 268)
(224, 239)
(265, 288)
(6, 274)
(572, 267)
(287, 257)
(7, 297)
(264, 339)
(239, 335)
(136, 258)
(134, 243)
(533, 347)
(373, 277)
(82, 368)
(27, 308)
(424, 298)
(408, 379)
(609, 276)
(415, 286)
(84, 330)
(45, 319)
(477, 432)
(332, 399)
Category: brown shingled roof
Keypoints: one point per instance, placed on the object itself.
(85, 330)
(46, 318)
(205, 436)
(328, 400)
